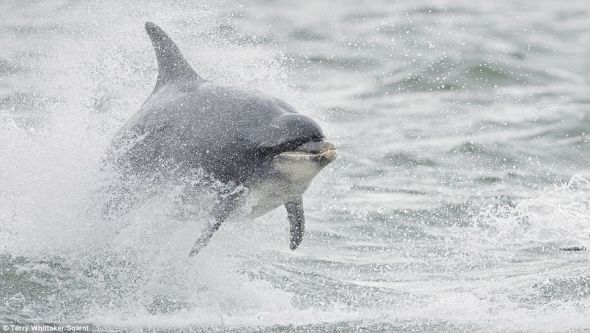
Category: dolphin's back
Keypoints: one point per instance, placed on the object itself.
(220, 129)
(188, 122)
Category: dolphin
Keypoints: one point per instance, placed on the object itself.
(254, 143)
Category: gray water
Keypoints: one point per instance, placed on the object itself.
(463, 168)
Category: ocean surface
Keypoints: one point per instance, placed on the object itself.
(462, 129)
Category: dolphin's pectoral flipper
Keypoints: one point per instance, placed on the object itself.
(221, 211)
(171, 63)
(296, 221)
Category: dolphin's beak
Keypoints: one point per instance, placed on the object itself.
(322, 152)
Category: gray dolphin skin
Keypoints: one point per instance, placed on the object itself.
(256, 144)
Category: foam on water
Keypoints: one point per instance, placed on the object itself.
(53, 179)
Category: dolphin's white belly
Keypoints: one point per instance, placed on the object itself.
(268, 195)
(296, 173)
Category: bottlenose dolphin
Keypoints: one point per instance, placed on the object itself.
(256, 144)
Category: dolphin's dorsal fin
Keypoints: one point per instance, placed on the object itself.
(171, 64)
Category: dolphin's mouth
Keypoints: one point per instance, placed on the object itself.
(322, 152)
